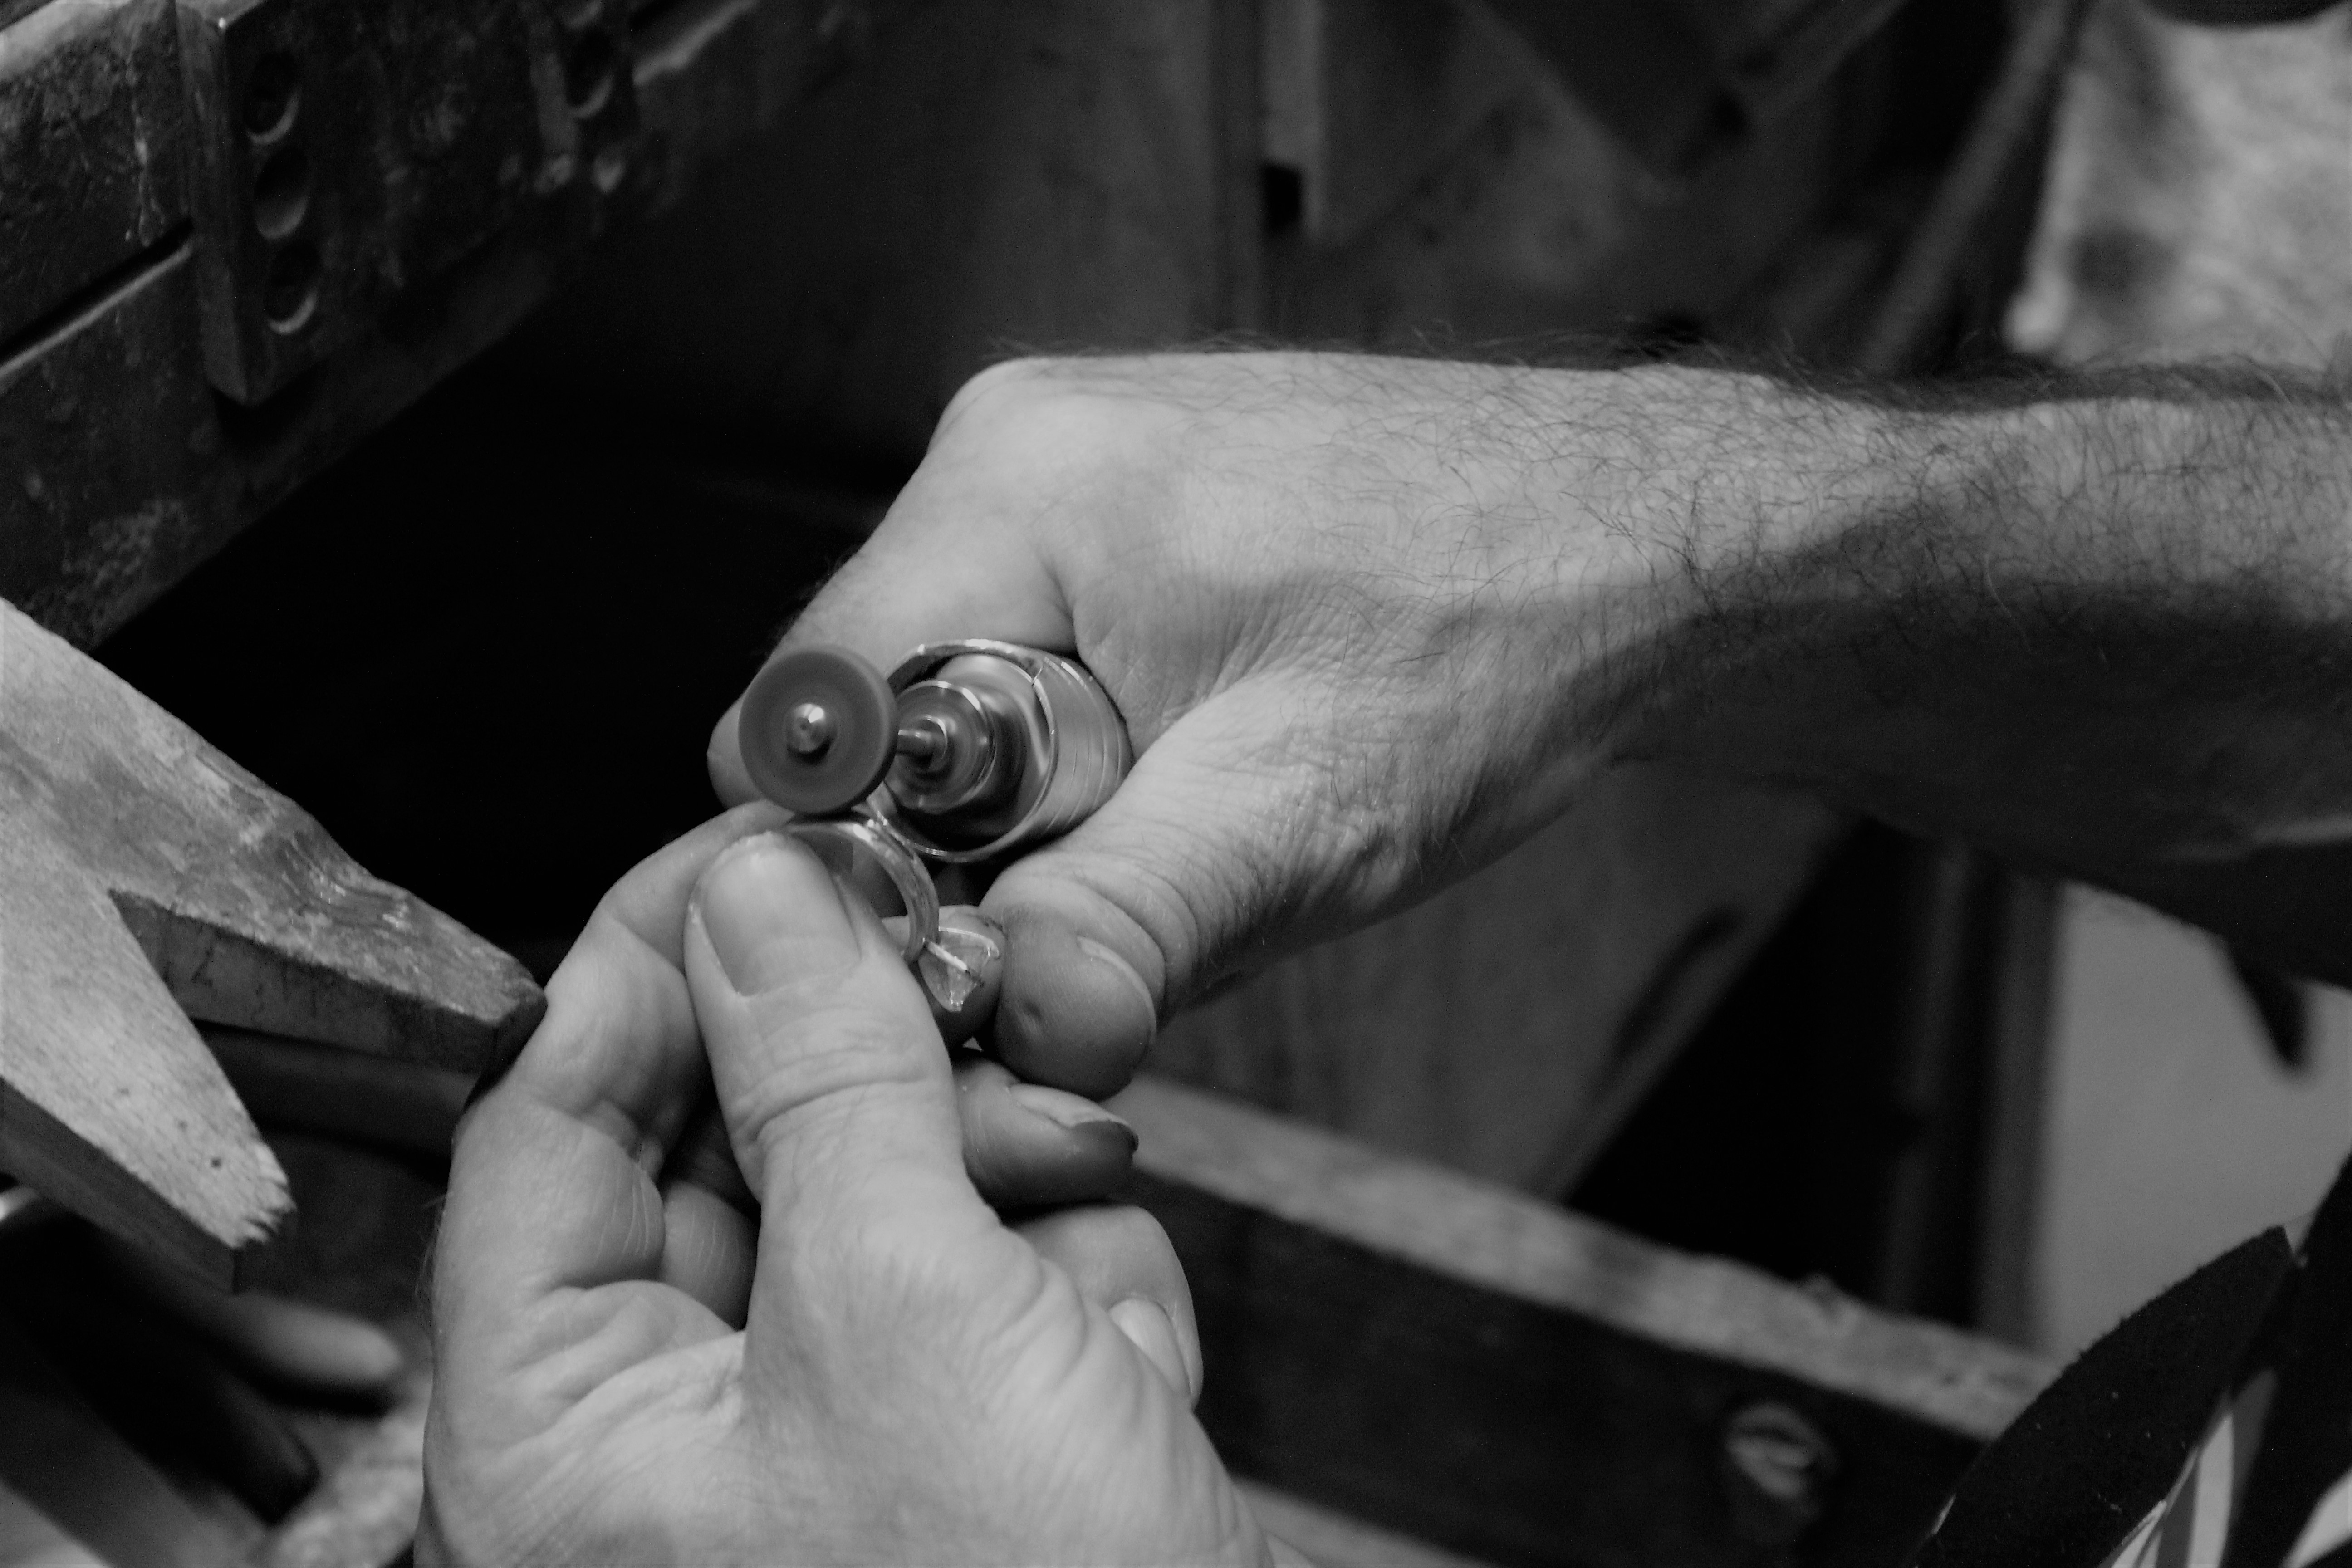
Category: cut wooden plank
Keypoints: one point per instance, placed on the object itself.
(145, 878)
(1503, 1378)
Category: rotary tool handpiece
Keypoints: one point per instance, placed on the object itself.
(978, 748)
(968, 751)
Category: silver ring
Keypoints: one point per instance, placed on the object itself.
(841, 841)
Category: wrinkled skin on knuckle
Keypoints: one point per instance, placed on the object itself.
(861, 1052)
(1175, 887)
(1272, 853)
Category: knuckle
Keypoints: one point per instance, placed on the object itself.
(1121, 1237)
(843, 1052)
(988, 392)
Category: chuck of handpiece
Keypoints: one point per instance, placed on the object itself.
(985, 749)
(983, 746)
(1029, 745)
(962, 745)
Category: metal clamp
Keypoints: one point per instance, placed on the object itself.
(346, 151)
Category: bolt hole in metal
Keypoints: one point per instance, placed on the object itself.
(281, 193)
(588, 73)
(289, 291)
(273, 95)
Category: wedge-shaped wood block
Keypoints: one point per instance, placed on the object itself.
(146, 879)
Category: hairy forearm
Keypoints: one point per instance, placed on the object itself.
(1372, 620)
(2105, 626)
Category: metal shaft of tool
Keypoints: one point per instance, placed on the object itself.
(926, 743)
(809, 729)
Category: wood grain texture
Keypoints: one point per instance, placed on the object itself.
(1509, 1025)
(146, 879)
(101, 77)
(1506, 1379)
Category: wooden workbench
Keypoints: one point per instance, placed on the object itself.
(266, 241)
(1413, 1366)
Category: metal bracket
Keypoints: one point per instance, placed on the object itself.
(347, 151)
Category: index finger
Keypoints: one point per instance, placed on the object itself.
(552, 1183)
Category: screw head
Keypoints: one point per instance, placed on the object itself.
(808, 729)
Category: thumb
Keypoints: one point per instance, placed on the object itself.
(1212, 843)
(836, 1092)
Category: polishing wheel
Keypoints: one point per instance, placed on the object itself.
(818, 729)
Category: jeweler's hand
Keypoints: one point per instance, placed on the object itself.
(907, 1379)
(1359, 615)
(1372, 621)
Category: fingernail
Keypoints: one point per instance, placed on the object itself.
(1146, 1325)
(772, 914)
(1071, 1112)
(1105, 958)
